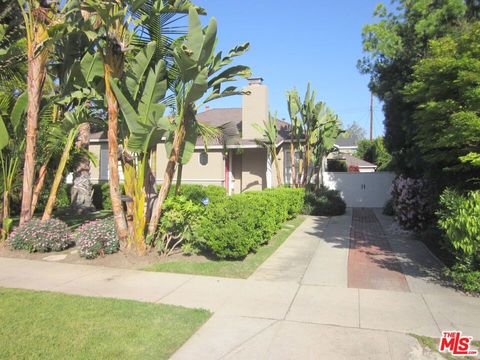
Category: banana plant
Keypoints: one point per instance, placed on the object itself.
(109, 26)
(326, 132)
(294, 104)
(140, 97)
(269, 134)
(115, 26)
(12, 145)
(201, 74)
(44, 24)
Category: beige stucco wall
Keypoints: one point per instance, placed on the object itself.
(237, 171)
(254, 164)
(95, 170)
(211, 174)
(254, 110)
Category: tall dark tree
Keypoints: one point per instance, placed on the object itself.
(394, 45)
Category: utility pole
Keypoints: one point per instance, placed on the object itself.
(371, 116)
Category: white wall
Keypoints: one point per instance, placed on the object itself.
(361, 189)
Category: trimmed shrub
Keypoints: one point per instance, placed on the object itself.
(411, 203)
(41, 236)
(228, 228)
(179, 217)
(97, 238)
(324, 202)
(237, 225)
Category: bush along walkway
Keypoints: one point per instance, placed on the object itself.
(298, 304)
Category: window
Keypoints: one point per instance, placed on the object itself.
(203, 158)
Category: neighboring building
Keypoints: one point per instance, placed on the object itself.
(239, 165)
(353, 164)
(347, 145)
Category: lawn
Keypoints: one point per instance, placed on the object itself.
(44, 325)
(232, 269)
(70, 218)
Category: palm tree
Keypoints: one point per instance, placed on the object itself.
(269, 133)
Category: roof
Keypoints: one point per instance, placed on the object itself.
(349, 141)
(231, 120)
(352, 160)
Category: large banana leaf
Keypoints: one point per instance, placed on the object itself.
(138, 68)
(145, 118)
(195, 34)
(16, 117)
(191, 135)
(4, 137)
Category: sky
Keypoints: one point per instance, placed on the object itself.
(293, 43)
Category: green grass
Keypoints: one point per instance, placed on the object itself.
(231, 269)
(43, 325)
(432, 344)
(74, 220)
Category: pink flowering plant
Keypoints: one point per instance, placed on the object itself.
(97, 238)
(411, 202)
(41, 236)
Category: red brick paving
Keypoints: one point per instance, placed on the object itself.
(371, 262)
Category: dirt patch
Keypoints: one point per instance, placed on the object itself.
(119, 260)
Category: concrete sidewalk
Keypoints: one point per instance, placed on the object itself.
(277, 314)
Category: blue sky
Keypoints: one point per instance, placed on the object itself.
(296, 42)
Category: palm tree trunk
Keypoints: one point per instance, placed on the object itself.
(81, 195)
(52, 198)
(167, 181)
(42, 175)
(35, 80)
(113, 68)
(293, 174)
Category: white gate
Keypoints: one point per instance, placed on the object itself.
(361, 189)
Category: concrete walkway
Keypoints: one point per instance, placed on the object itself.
(297, 305)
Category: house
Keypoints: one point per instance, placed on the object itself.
(353, 164)
(348, 144)
(239, 164)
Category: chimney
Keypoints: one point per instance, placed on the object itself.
(254, 108)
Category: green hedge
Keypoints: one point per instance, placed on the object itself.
(324, 202)
(234, 226)
(196, 193)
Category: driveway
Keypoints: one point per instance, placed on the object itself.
(338, 288)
